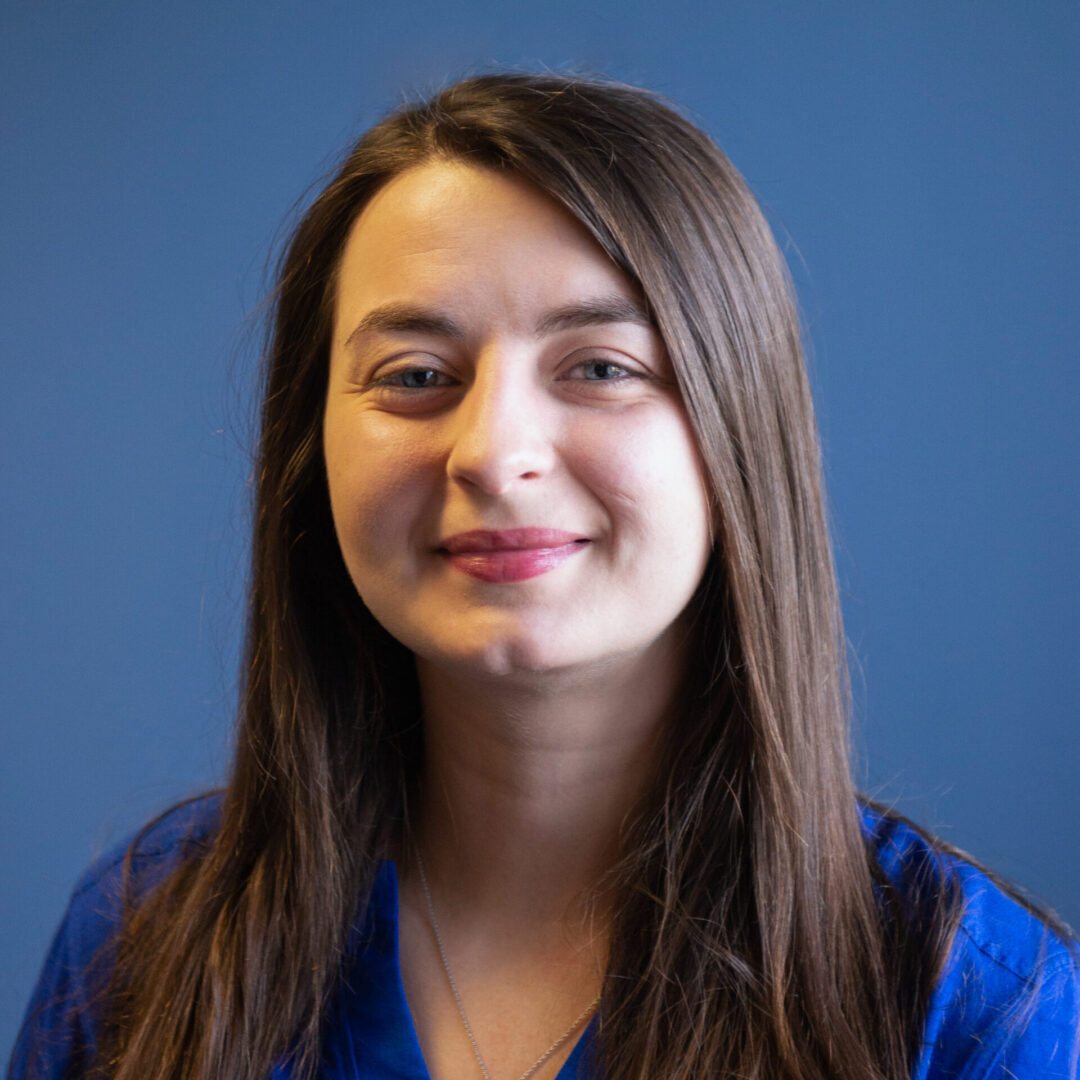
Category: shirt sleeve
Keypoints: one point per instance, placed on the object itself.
(1039, 1038)
(59, 1033)
(56, 1041)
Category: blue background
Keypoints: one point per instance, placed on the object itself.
(920, 162)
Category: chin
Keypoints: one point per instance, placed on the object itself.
(526, 663)
(500, 659)
(501, 652)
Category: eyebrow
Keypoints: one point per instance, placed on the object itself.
(407, 319)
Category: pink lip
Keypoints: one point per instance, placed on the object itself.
(510, 554)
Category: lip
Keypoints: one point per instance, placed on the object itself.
(529, 538)
(507, 555)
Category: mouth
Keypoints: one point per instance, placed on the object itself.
(508, 555)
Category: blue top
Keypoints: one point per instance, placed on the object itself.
(1007, 1003)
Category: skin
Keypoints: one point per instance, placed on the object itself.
(543, 698)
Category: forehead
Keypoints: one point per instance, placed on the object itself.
(481, 242)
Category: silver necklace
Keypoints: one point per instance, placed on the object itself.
(457, 996)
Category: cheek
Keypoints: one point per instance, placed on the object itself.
(376, 488)
(651, 479)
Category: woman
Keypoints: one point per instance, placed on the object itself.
(542, 761)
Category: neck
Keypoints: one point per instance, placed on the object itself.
(526, 787)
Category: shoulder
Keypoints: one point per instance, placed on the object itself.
(57, 1033)
(146, 858)
(125, 873)
(1007, 1000)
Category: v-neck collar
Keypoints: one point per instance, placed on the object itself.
(371, 1034)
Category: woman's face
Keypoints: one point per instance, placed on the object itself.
(513, 480)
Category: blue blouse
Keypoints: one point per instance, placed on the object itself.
(1007, 1003)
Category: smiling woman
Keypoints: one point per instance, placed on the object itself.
(499, 409)
(541, 768)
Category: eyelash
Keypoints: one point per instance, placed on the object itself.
(625, 372)
(389, 382)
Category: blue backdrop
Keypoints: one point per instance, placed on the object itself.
(920, 162)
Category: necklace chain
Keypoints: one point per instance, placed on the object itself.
(546, 1055)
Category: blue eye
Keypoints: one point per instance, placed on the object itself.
(417, 378)
(603, 370)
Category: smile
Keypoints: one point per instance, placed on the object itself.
(511, 554)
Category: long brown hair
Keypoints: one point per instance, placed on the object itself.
(749, 940)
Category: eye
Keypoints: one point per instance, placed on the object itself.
(600, 370)
(413, 378)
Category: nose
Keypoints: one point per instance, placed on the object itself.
(501, 430)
